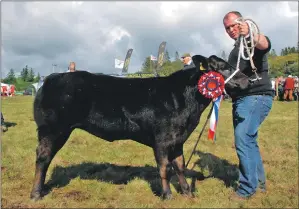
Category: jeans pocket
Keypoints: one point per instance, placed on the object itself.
(266, 107)
(268, 101)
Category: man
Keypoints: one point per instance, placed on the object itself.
(250, 108)
(72, 67)
(296, 88)
(40, 82)
(187, 61)
(289, 86)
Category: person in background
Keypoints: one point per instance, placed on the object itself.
(296, 88)
(289, 86)
(187, 61)
(250, 107)
(40, 82)
(72, 67)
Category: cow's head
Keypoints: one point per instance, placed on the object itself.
(238, 82)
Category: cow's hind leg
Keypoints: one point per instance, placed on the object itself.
(164, 167)
(179, 166)
(49, 145)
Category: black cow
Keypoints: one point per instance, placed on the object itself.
(160, 112)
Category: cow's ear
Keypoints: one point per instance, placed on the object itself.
(200, 62)
(216, 63)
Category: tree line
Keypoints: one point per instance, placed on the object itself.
(283, 65)
(167, 68)
(27, 75)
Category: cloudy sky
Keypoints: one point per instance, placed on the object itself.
(93, 34)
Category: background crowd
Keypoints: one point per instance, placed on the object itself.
(286, 88)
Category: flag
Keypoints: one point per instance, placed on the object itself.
(118, 63)
(161, 55)
(127, 61)
(153, 58)
(214, 118)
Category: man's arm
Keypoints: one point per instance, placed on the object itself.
(262, 42)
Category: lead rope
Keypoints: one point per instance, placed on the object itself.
(204, 126)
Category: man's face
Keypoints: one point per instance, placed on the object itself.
(231, 27)
(185, 60)
(72, 67)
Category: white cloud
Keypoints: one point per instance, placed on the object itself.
(92, 34)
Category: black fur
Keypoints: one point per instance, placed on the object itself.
(158, 112)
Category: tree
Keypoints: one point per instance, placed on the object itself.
(223, 55)
(293, 69)
(37, 78)
(273, 53)
(147, 66)
(30, 77)
(166, 57)
(24, 73)
(10, 78)
(177, 56)
(293, 50)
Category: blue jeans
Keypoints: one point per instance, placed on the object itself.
(248, 114)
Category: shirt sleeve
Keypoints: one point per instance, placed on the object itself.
(264, 51)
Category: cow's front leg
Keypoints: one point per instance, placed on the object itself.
(164, 167)
(179, 166)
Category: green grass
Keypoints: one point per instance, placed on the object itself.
(90, 173)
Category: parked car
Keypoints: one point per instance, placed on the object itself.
(28, 91)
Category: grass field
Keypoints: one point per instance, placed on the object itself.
(91, 173)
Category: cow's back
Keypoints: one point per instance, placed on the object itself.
(111, 107)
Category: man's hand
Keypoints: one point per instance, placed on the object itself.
(261, 39)
(244, 29)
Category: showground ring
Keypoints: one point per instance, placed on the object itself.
(89, 172)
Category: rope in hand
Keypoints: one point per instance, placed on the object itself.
(253, 30)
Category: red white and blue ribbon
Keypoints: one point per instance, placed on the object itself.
(214, 119)
(211, 85)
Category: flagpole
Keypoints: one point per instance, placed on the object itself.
(150, 63)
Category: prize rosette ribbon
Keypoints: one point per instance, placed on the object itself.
(211, 85)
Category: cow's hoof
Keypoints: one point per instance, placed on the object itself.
(35, 196)
(188, 194)
(166, 196)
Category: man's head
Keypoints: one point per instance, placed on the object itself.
(186, 58)
(72, 67)
(230, 24)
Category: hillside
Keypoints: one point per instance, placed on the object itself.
(284, 65)
(278, 66)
